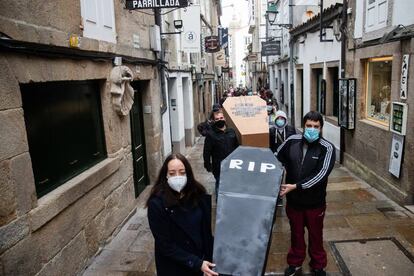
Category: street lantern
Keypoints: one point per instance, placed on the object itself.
(271, 13)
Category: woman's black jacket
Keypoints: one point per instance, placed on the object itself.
(176, 252)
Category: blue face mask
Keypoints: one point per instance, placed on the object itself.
(311, 134)
(280, 122)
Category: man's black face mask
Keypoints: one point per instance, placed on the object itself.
(219, 123)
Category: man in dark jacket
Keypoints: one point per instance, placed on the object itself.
(308, 160)
(220, 142)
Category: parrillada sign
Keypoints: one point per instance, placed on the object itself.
(155, 4)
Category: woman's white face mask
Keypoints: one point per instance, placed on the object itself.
(177, 183)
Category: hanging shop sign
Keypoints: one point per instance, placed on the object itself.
(190, 36)
(211, 44)
(220, 58)
(252, 57)
(223, 34)
(347, 102)
(404, 76)
(155, 4)
(396, 155)
(271, 48)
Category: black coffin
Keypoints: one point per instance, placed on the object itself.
(249, 185)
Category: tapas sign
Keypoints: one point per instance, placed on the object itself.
(154, 4)
(404, 76)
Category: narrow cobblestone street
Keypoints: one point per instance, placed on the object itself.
(354, 211)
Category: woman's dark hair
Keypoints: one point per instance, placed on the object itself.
(313, 116)
(192, 191)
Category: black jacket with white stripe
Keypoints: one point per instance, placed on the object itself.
(310, 174)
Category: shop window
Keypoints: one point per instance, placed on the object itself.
(64, 130)
(378, 89)
(98, 19)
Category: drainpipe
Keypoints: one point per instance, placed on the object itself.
(292, 93)
(161, 64)
(343, 72)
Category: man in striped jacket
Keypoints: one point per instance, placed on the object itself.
(308, 160)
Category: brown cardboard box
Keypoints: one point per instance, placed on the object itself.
(247, 115)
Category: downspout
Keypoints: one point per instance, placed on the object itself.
(343, 72)
(292, 93)
(161, 74)
(161, 64)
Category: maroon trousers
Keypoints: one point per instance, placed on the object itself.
(312, 219)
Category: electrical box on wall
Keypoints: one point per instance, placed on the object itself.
(155, 38)
(398, 120)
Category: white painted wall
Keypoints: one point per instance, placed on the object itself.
(166, 131)
(403, 12)
(332, 133)
(311, 52)
(175, 91)
(188, 107)
(358, 14)
(239, 51)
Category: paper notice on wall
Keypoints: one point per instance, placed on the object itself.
(396, 155)
(190, 36)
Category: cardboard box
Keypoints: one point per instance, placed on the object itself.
(247, 115)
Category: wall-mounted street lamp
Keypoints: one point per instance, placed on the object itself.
(178, 24)
(271, 15)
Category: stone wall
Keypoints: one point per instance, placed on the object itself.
(52, 22)
(57, 233)
(368, 147)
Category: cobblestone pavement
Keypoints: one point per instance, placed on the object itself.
(354, 211)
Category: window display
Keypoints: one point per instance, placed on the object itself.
(379, 89)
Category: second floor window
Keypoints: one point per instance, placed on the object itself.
(98, 19)
(376, 14)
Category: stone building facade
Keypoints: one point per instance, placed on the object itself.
(316, 72)
(380, 34)
(56, 209)
(191, 77)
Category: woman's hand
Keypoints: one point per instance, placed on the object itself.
(205, 267)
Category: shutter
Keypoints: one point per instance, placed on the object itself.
(376, 14)
(382, 12)
(90, 22)
(98, 19)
